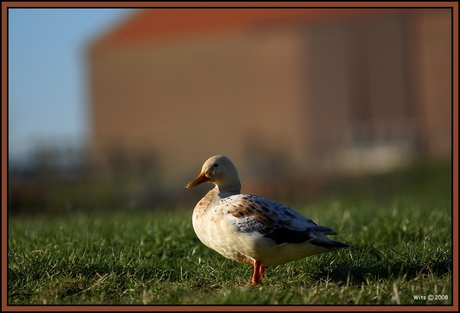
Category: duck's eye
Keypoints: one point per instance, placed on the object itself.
(215, 165)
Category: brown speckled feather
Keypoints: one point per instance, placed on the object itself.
(278, 222)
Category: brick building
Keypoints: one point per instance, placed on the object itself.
(300, 90)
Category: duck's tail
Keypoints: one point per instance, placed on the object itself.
(323, 241)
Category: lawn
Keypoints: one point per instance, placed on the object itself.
(399, 226)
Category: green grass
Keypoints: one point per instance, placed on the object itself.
(402, 248)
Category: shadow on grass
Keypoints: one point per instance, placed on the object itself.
(359, 271)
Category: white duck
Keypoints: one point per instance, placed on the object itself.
(249, 228)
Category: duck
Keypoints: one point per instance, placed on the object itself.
(249, 228)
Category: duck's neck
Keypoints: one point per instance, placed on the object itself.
(228, 190)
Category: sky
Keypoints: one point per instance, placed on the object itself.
(47, 74)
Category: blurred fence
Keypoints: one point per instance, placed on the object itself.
(54, 182)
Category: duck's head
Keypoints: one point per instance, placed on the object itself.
(220, 171)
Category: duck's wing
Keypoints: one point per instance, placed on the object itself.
(253, 214)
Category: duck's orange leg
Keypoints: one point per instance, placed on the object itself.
(258, 273)
(261, 271)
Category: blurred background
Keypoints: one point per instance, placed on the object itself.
(119, 108)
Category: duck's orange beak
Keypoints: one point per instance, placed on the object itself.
(198, 181)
